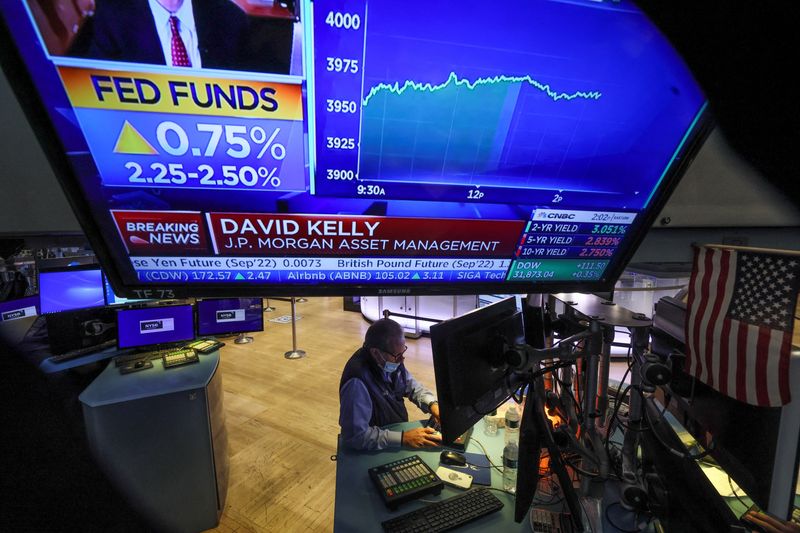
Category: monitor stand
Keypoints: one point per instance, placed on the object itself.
(535, 434)
(243, 339)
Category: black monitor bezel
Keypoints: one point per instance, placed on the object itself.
(34, 108)
(232, 332)
(158, 344)
(49, 263)
(441, 333)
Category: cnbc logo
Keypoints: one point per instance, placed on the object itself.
(157, 325)
(230, 315)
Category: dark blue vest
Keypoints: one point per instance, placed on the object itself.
(387, 398)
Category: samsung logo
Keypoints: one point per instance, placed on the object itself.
(394, 291)
(159, 325)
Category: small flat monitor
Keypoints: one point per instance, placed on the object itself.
(67, 289)
(113, 299)
(154, 326)
(226, 316)
(472, 377)
(19, 308)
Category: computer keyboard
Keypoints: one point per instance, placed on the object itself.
(461, 441)
(446, 514)
(80, 352)
(180, 357)
(138, 356)
(205, 346)
(546, 521)
(404, 480)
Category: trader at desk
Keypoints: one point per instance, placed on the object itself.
(371, 392)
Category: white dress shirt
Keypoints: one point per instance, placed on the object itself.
(186, 28)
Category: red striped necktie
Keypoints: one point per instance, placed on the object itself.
(180, 57)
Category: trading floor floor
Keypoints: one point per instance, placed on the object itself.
(282, 416)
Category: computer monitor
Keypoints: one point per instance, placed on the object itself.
(526, 147)
(69, 288)
(154, 326)
(480, 360)
(19, 308)
(113, 299)
(226, 316)
(50, 263)
(472, 377)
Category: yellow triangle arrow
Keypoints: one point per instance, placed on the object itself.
(131, 141)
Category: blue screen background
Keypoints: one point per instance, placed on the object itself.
(575, 101)
(207, 322)
(128, 320)
(64, 291)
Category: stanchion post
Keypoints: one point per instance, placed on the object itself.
(294, 353)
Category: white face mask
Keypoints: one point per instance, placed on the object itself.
(390, 367)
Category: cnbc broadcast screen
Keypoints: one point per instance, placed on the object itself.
(215, 147)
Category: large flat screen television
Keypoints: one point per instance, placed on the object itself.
(360, 146)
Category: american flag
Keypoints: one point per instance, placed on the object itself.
(739, 322)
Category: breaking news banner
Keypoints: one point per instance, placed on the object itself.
(268, 234)
(177, 232)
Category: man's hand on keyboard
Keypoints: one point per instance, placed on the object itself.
(421, 438)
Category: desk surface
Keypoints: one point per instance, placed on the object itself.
(48, 366)
(112, 387)
(360, 508)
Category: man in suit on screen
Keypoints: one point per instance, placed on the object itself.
(189, 33)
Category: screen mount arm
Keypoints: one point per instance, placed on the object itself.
(524, 357)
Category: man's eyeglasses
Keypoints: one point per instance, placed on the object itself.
(397, 355)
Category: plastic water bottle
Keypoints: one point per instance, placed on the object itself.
(490, 423)
(510, 459)
(512, 424)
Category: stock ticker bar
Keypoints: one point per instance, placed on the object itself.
(562, 244)
(367, 249)
(328, 270)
